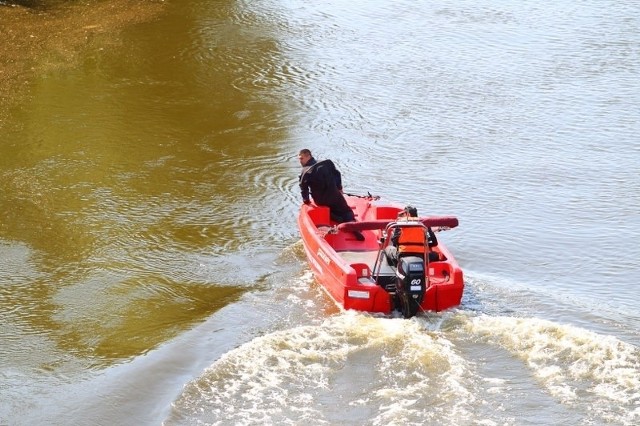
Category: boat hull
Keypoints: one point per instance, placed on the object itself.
(349, 269)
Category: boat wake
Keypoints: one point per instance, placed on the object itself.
(452, 367)
(592, 373)
(352, 368)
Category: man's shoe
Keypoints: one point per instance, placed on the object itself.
(358, 235)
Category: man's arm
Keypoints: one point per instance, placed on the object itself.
(304, 187)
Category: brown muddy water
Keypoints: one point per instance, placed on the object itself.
(40, 36)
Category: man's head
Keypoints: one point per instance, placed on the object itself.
(409, 211)
(304, 156)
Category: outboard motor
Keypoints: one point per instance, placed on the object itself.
(410, 284)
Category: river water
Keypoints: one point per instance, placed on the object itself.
(151, 271)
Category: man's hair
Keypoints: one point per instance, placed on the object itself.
(305, 152)
(409, 211)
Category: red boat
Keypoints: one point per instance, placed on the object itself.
(400, 264)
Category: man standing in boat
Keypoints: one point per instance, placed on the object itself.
(324, 181)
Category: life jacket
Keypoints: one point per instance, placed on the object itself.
(411, 240)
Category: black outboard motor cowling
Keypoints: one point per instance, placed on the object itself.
(410, 284)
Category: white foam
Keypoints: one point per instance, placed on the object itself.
(575, 365)
(370, 370)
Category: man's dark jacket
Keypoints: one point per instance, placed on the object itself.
(324, 182)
